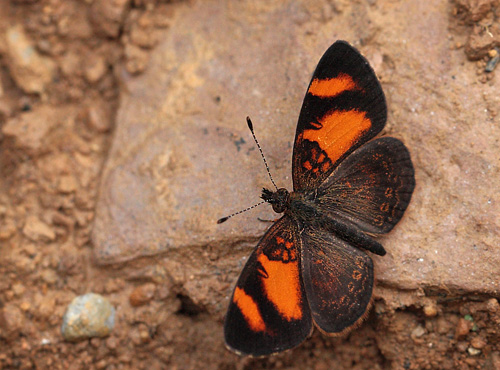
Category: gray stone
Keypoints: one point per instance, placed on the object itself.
(88, 316)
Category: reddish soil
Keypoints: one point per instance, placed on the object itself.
(50, 171)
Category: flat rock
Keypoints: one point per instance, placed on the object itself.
(182, 155)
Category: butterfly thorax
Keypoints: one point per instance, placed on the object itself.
(295, 204)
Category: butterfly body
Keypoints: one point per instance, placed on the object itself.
(311, 268)
(302, 207)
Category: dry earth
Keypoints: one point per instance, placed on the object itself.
(122, 141)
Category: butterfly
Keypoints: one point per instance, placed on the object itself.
(311, 267)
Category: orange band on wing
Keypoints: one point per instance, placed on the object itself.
(330, 87)
(339, 132)
(249, 309)
(282, 287)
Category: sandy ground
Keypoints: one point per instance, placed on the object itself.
(101, 100)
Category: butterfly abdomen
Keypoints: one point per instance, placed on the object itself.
(305, 212)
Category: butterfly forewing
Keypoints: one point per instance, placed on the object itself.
(343, 108)
(371, 188)
(338, 280)
(268, 311)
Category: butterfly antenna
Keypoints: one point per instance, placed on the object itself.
(250, 126)
(224, 219)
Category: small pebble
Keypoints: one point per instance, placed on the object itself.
(97, 118)
(18, 289)
(462, 346)
(492, 305)
(107, 16)
(430, 309)
(142, 294)
(473, 351)
(12, 319)
(37, 230)
(44, 306)
(7, 229)
(95, 69)
(471, 362)
(462, 328)
(443, 326)
(31, 71)
(113, 285)
(25, 306)
(67, 184)
(478, 343)
(49, 276)
(492, 63)
(90, 315)
(144, 335)
(418, 332)
(136, 59)
(112, 343)
(430, 326)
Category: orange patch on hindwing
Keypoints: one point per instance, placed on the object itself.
(282, 287)
(339, 131)
(330, 87)
(249, 309)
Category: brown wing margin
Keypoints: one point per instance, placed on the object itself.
(268, 312)
(338, 279)
(344, 107)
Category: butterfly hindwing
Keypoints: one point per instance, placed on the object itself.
(338, 279)
(371, 188)
(268, 311)
(343, 108)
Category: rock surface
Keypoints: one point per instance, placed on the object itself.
(206, 65)
(185, 157)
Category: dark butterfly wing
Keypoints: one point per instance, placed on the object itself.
(343, 108)
(338, 279)
(268, 311)
(371, 188)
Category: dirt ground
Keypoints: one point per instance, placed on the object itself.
(62, 63)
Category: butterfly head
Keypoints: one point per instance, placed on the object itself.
(279, 199)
